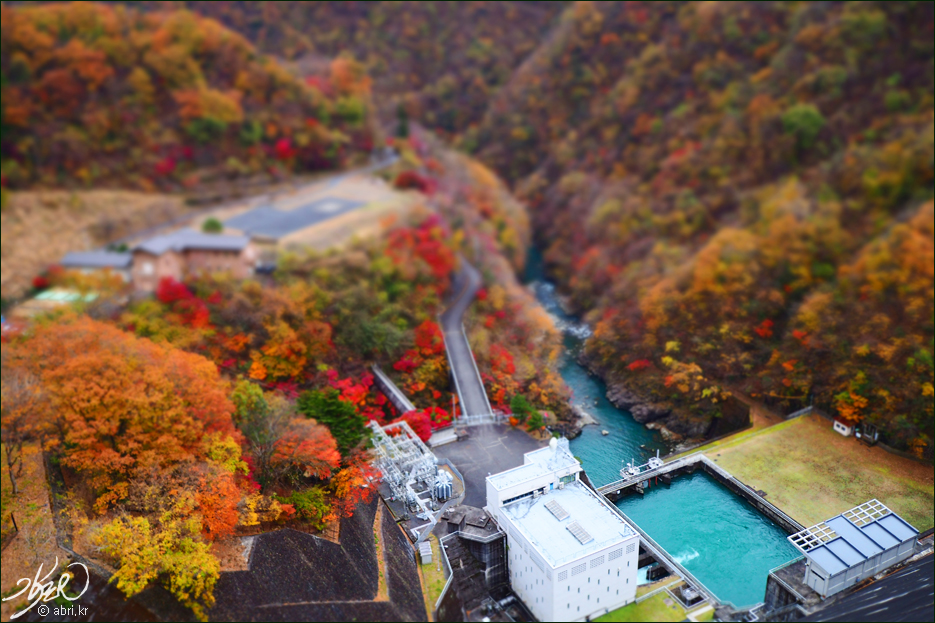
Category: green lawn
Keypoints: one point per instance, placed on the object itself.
(433, 577)
(813, 473)
(653, 609)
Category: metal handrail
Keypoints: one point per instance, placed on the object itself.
(763, 501)
(697, 457)
(392, 386)
(451, 575)
(476, 371)
(786, 564)
(451, 367)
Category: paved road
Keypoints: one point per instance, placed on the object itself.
(488, 449)
(469, 386)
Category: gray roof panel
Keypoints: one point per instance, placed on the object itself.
(852, 534)
(827, 560)
(846, 552)
(897, 527)
(270, 222)
(188, 240)
(883, 538)
(97, 259)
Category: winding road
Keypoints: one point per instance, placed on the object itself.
(468, 384)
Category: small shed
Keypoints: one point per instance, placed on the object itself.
(425, 552)
(853, 546)
(843, 428)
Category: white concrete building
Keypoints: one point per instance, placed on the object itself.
(571, 555)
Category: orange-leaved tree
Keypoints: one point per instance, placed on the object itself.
(121, 404)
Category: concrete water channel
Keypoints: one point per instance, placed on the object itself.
(712, 526)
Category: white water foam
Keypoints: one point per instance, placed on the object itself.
(685, 557)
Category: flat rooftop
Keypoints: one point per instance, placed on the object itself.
(274, 223)
(540, 462)
(587, 524)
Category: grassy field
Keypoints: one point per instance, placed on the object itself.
(813, 473)
(653, 609)
(433, 578)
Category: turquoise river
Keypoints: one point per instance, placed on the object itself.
(723, 541)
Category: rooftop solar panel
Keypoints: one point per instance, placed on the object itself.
(579, 533)
(556, 509)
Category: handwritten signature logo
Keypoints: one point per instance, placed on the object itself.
(45, 590)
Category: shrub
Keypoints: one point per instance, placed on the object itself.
(411, 179)
(347, 425)
(536, 421)
(312, 505)
(212, 226)
(521, 408)
(896, 100)
(804, 122)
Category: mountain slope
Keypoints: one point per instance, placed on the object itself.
(711, 180)
(96, 94)
(442, 60)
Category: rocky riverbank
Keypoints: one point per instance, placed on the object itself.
(581, 418)
(655, 415)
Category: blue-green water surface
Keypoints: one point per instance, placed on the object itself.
(723, 541)
(627, 440)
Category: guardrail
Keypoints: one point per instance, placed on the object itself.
(476, 420)
(699, 457)
(772, 507)
(390, 386)
(449, 572)
(476, 371)
(800, 413)
(451, 367)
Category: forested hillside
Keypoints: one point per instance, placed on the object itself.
(738, 195)
(442, 60)
(105, 95)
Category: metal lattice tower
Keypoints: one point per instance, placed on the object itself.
(402, 458)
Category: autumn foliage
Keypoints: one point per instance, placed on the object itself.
(703, 177)
(95, 93)
(119, 404)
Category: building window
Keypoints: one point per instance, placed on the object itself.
(518, 497)
(631, 548)
(567, 479)
(147, 268)
(614, 555)
(618, 591)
